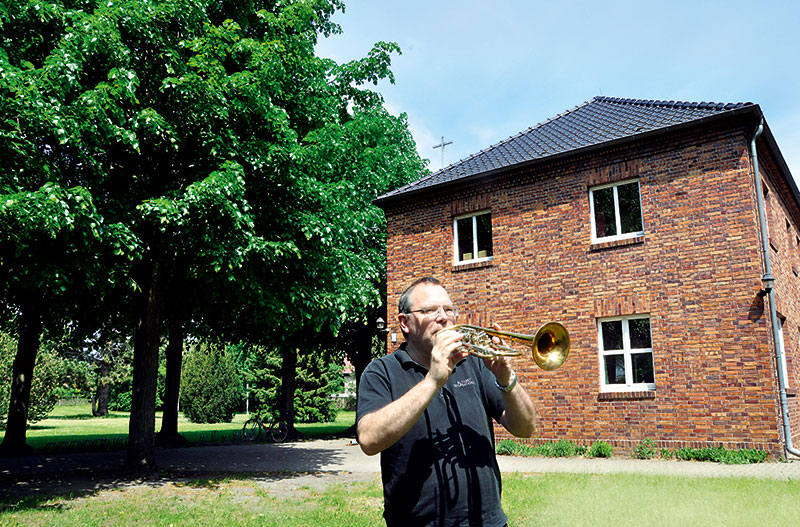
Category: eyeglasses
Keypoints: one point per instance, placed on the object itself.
(433, 311)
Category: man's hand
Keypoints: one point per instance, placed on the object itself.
(445, 355)
(500, 366)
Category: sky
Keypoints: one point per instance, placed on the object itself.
(479, 72)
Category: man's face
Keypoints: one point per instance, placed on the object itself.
(419, 328)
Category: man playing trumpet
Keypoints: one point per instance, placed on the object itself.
(428, 409)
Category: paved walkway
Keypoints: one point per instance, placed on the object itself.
(341, 455)
(63, 471)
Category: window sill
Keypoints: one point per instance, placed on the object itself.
(626, 396)
(473, 265)
(599, 246)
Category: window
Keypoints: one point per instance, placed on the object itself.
(472, 237)
(626, 354)
(616, 211)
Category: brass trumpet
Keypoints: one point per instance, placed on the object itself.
(549, 346)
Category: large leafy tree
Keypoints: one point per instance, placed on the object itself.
(230, 164)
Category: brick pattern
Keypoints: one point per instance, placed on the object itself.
(696, 272)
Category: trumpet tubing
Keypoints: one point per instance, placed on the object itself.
(549, 347)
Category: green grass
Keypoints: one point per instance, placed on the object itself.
(550, 500)
(74, 428)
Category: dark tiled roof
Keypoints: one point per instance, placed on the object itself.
(601, 120)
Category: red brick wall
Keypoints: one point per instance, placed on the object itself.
(696, 272)
(784, 238)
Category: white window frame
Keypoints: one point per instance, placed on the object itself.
(617, 217)
(627, 352)
(782, 348)
(456, 248)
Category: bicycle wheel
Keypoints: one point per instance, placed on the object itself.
(251, 429)
(278, 432)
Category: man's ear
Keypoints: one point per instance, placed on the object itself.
(402, 319)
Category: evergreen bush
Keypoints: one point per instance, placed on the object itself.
(316, 380)
(210, 384)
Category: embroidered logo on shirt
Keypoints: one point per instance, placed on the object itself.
(464, 382)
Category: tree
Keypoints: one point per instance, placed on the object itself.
(239, 166)
(51, 264)
(43, 394)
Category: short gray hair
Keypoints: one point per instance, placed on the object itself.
(404, 305)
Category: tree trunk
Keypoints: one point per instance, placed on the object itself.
(30, 322)
(103, 391)
(286, 399)
(141, 429)
(169, 423)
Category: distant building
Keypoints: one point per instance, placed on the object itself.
(635, 224)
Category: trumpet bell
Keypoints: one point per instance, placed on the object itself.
(550, 346)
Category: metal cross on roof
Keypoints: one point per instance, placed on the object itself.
(442, 145)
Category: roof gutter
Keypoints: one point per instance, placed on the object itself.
(768, 281)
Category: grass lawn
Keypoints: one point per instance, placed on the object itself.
(550, 500)
(74, 428)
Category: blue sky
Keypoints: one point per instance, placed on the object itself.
(478, 72)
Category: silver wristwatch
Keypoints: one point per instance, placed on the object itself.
(511, 383)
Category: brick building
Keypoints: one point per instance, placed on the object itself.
(636, 225)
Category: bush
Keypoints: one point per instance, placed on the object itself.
(46, 375)
(645, 449)
(600, 449)
(562, 448)
(666, 453)
(315, 381)
(506, 447)
(210, 385)
(721, 455)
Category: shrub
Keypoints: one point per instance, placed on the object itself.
(46, 375)
(506, 447)
(600, 449)
(315, 382)
(666, 453)
(721, 455)
(562, 448)
(210, 385)
(645, 449)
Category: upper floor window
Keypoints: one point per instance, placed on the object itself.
(472, 236)
(616, 211)
(626, 354)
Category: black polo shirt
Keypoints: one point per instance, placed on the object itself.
(443, 472)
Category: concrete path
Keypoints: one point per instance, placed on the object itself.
(342, 455)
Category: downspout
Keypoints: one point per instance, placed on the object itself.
(769, 283)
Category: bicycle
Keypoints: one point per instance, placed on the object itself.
(275, 431)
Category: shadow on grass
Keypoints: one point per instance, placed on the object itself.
(41, 482)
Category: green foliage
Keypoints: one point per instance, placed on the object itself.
(316, 380)
(205, 138)
(600, 449)
(316, 383)
(645, 449)
(210, 384)
(47, 374)
(666, 453)
(561, 448)
(721, 455)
